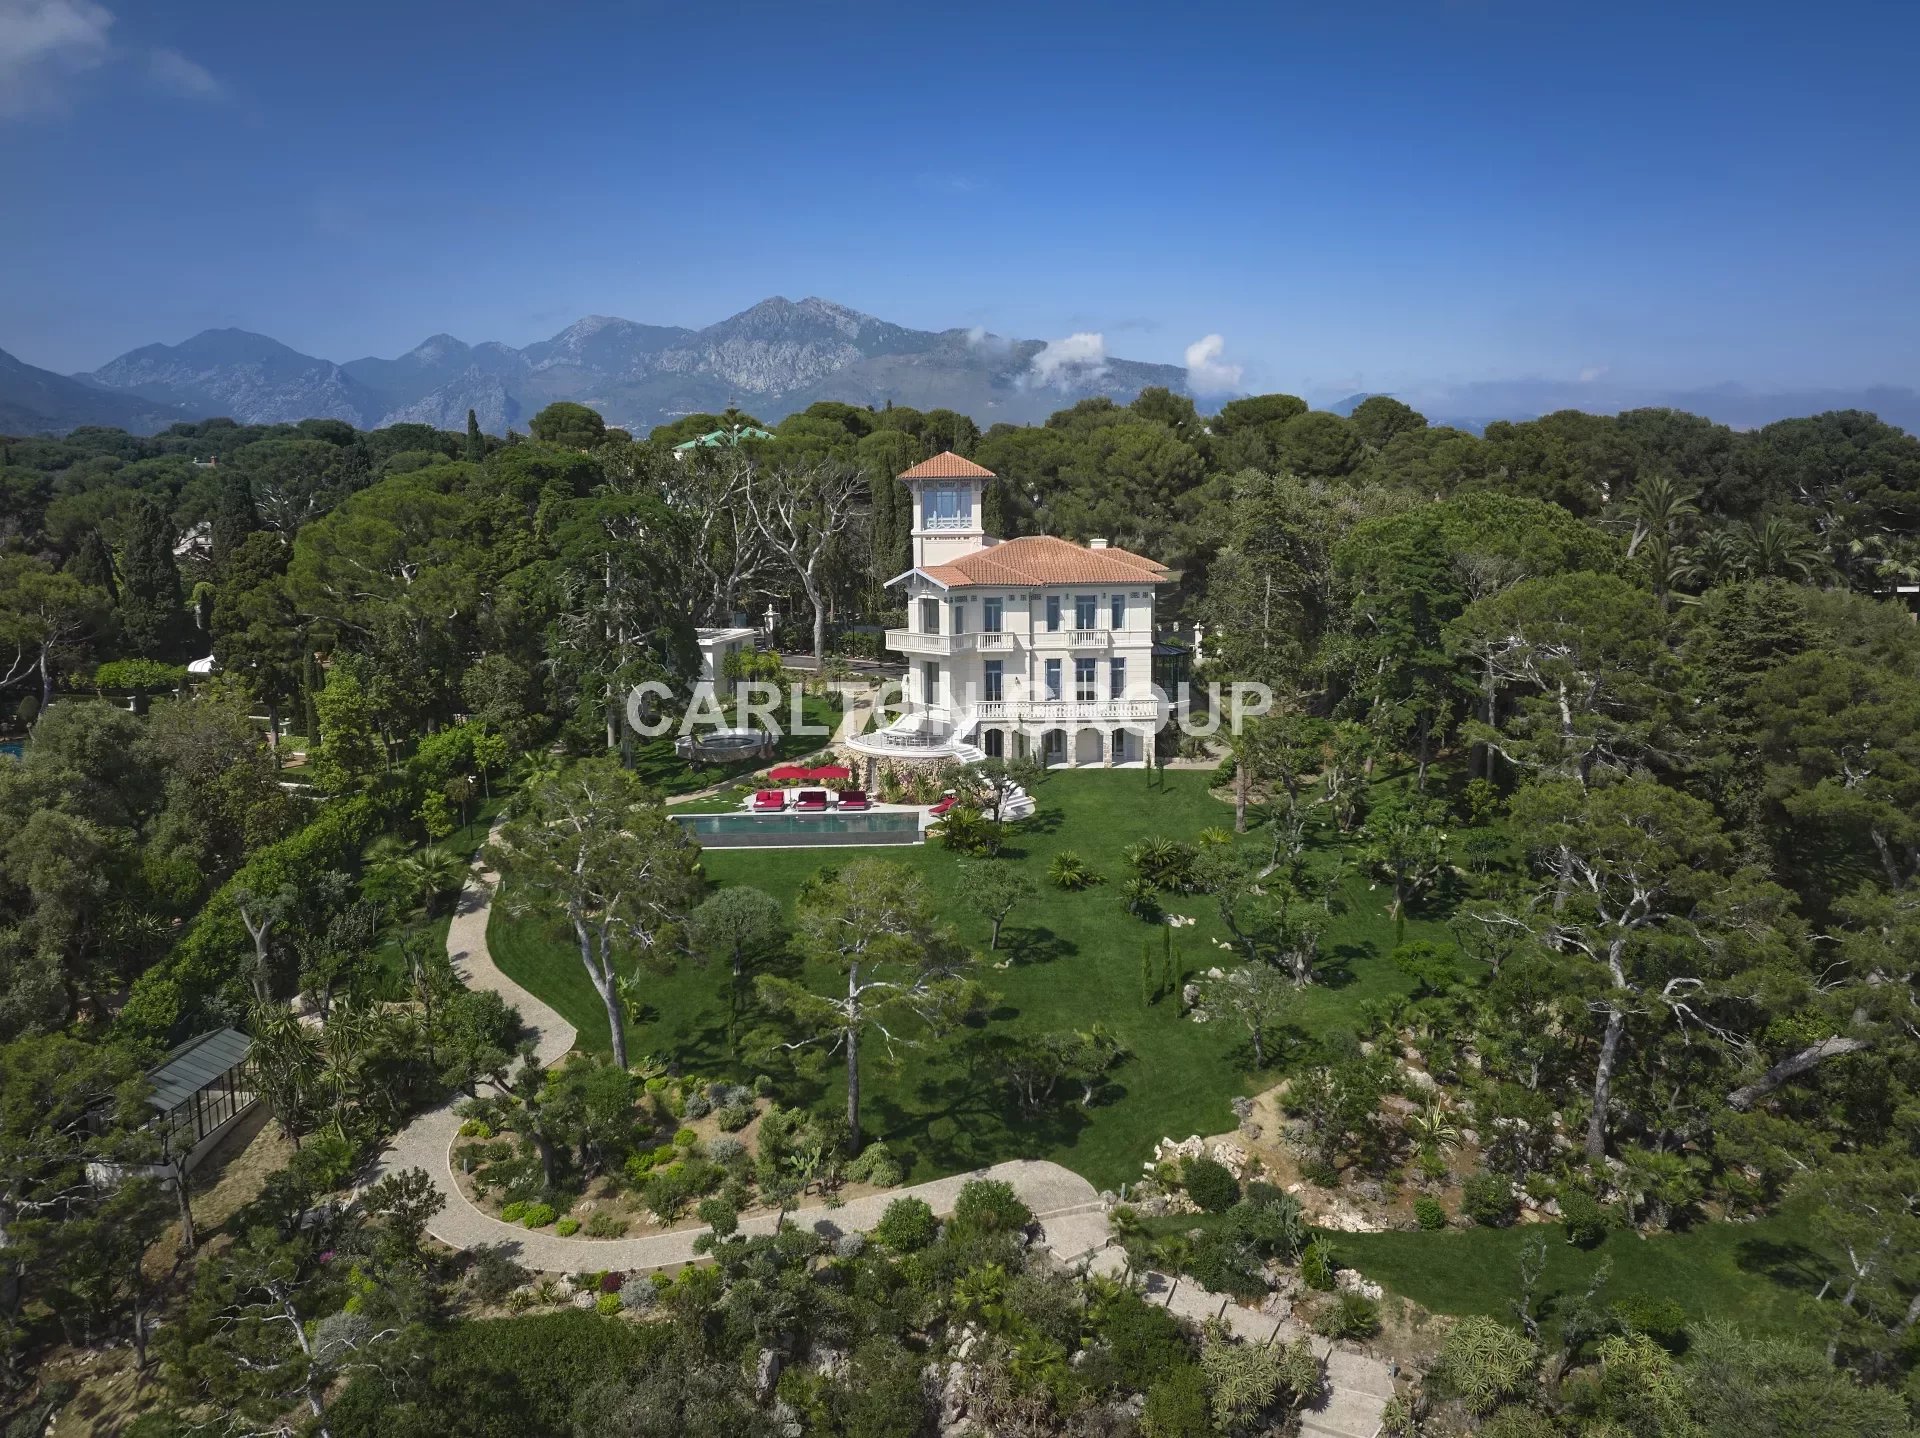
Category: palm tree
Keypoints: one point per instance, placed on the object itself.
(1779, 549)
(1719, 557)
(1659, 507)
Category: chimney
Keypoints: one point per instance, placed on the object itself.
(1097, 543)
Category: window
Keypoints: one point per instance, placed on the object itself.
(1053, 613)
(946, 506)
(994, 741)
(929, 616)
(1117, 607)
(1083, 680)
(1053, 679)
(929, 683)
(1117, 679)
(1085, 607)
(990, 615)
(995, 680)
(957, 612)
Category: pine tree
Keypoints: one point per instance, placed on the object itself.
(150, 612)
(476, 442)
(234, 518)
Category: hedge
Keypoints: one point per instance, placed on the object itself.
(169, 1002)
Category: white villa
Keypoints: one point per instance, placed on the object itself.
(1021, 647)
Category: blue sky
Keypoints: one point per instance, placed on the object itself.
(1352, 196)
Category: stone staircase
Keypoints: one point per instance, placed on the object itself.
(1357, 1387)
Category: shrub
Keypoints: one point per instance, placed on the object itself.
(1661, 1319)
(762, 1086)
(1224, 1264)
(668, 1191)
(1139, 897)
(1351, 1315)
(638, 1297)
(1144, 1339)
(850, 1245)
(699, 1105)
(566, 1227)
(986, 1206)
(1487, 1198)
(1268, 1221)
(1429, 1213)
(1486, 1363)
(734, 1117)
(686, 1138)
(491, 1272)
(1210, 1184)
(476, 1128)
(725, 1151)
(513, 1212)
(1318, 1264)
(606, 1225)
(538, 1215)
(907, 1226)
(1582, 1218)
(139, 674)
(1070, 872)
(608, 1303)
(875, 1165)
(719, 1215)
(1318, 1172)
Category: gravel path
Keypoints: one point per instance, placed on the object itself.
(427, 1142)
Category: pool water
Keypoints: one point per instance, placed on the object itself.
(800, 831)
(12, 749)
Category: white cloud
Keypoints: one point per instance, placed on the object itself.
(1593, 372)
(1207, 373)
(1079, 357)
(177, 75)
(43, 44)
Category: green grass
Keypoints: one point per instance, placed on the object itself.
(1760, 1275)
(1076, 960)
(667, 772)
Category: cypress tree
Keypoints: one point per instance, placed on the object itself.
(92, 565)
(476, 442)
(150, 594)
(234, 518)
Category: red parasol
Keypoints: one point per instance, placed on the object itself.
(787, 773)
(830, 771)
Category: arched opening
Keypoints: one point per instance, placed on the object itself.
(994, 742)
(1087, 747)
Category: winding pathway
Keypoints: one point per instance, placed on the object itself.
(427, 1143)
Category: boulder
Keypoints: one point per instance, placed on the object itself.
(766, 1374)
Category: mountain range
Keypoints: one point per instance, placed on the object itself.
(773, 359)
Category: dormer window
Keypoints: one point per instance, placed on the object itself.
(946, 506)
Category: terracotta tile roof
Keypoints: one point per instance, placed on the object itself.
(947, 466)
(1044, 559)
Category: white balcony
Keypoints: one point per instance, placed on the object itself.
(912, 641)
(1067, 711)
(1078, 638)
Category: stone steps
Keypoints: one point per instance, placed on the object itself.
(1347, 1413)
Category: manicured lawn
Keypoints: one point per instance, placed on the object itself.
(667, 772)
(1760, 1276)
(1073, 960)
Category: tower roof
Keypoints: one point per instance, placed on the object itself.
(947, 465)
(1036, 560)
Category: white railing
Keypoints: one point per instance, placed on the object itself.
(912, 641)
(1065, 711)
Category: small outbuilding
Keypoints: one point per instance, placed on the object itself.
(200, 1090)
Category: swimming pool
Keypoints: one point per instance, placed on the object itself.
(800, 831)
(13, 749)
